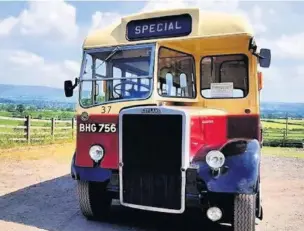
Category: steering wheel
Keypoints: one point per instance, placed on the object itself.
(129, 90)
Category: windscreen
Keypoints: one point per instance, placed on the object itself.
(116, 74)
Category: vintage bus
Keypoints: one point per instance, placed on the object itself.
(168, 116)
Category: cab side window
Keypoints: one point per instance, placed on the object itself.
(175, 74)
(224, 76)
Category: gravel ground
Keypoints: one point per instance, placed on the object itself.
(38, 194)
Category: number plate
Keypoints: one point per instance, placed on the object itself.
(98, 127)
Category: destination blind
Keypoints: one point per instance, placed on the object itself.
(162, 27)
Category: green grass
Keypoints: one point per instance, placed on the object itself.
(290, 121)
(43, 114)
(5, 143)
(274, 130)
(44, 132)
(5, 113)
(283, 152)
(279, 125)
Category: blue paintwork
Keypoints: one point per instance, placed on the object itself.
(160, 27)
(90, 173)
(93, 174)
(242, 173)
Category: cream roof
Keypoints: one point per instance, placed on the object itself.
(203, 24)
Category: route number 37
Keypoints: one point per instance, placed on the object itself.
(98, 127)
(105, 109)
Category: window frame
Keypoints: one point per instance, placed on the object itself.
(193, 71)
(90, 51)
(246, 59)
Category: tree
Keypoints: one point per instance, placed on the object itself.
(20, 108)
(11, 108)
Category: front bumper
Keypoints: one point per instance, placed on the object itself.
(195, 188)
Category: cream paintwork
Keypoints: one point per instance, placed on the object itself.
(212, 34)
(204, 24)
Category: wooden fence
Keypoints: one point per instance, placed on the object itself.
(30, 130)
(34, 130)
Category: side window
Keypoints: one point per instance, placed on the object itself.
(183, 84)
(224, 76)
(86, 98)
(169, 84)
(175, 74)
(100, 71)
(117, 73)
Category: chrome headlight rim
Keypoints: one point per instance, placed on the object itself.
(214, 214)
(96, 152)
(220, 159)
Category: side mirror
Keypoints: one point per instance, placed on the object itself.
(68, 88)
(265, 57)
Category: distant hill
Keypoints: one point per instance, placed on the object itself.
(279, 109)
(54, 97)
(24, 93)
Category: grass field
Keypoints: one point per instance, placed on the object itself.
(43, 114)
(275, 131)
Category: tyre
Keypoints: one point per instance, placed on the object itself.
(244, 212)
(94, 200)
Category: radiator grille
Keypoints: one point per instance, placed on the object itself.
(152, 157)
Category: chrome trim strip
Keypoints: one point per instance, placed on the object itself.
(185, 154)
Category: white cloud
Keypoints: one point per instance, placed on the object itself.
(7, 25)
(283, 84)
(72, 66)
(103, 19)
(291, 45)
(26, 68)
(46, 18)
(228, 6)
(160, 5)
(24, 58)
(49, 17)
(257, 20)
(285, 46)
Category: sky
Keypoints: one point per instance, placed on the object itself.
(41, 41)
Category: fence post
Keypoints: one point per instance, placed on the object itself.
(28, 129)
(73, 125)
(53, 128)
(284, 139)
(286, 125)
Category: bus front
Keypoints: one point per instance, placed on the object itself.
(148, 136)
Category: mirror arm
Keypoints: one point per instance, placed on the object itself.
(253, 47)
(76, 83)
(257, 55)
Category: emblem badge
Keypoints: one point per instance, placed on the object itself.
(84, 116)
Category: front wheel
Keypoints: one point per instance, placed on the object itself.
(244, 212)
(94, 200)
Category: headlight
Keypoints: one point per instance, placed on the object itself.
(96, 153)
(215, 159)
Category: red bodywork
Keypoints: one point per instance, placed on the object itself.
(205, 130)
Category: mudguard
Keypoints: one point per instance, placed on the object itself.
(239, 174)
(73, 171)
(89, 173)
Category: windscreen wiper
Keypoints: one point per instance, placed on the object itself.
(109, 56)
